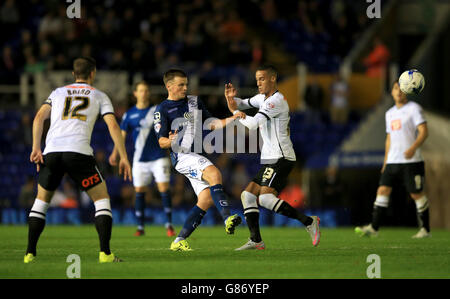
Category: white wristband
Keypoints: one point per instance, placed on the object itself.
(235, 111)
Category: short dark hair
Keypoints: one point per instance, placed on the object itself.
(268, 68)
(142, 82)
(172, 73)
(83, 66)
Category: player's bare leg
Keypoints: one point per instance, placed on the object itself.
(36, 221)
(163, 188)
(423, 215)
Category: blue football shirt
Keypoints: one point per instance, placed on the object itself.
(140, 123)
(186, 116)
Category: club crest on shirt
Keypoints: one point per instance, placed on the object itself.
(192, 102)
(396, 124)
(270, 105)
(202, 161)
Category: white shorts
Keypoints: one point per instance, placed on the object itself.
(192, 165)
(143, 172)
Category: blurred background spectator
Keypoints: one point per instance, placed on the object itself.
(332, 188)
(214, 38)
(377, 60)
(339, 100)
(27, 193)
(314, 100)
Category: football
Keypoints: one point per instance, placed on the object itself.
(411, 82)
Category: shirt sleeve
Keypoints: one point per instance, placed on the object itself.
(160, 123)
(50, 98)
(253, 122)
(244, 104)
(418, 116)
(106, 106)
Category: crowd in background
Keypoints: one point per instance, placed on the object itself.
(214, 39)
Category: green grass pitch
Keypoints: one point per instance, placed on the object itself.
(289, 254)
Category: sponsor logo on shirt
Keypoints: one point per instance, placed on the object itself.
(396, 124)
(188, 116)
(157, 127)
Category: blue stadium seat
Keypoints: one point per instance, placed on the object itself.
(128, 217)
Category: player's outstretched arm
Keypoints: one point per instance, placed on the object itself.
(119, 143)
(221, 123)
(38, 128)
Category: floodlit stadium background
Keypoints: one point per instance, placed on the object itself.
(216, 42)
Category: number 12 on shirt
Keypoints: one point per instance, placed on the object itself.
(74, 112)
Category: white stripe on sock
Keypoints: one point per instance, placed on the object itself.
(103, 207)
(39, 209)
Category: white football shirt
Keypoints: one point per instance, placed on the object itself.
(75, 109)
(401, 124)
(275, 131)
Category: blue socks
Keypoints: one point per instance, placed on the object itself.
(193, 220)
(139, 207)
(220, 200)
(167, 205)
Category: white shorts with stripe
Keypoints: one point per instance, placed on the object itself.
(192, 165)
